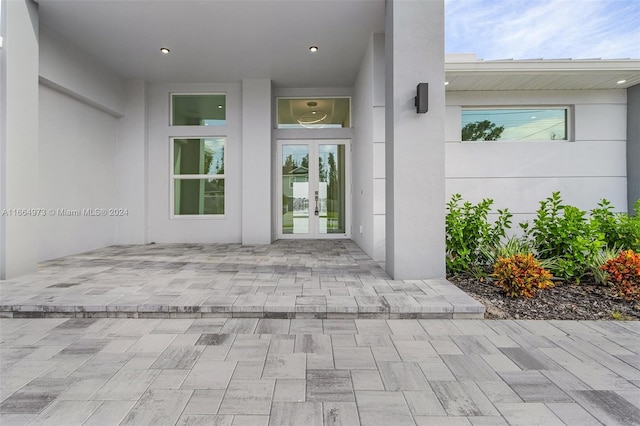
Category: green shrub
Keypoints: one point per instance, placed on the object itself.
(517, 245)
(607, 253)
(521, 275)
(563, 233)
(513, 245)
(469, 233)
(619, 229)
(562, 237)
(624, 273)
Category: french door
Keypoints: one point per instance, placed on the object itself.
(313, 184)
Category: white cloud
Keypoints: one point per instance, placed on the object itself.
(498, 29)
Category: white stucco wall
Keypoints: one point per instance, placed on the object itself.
(368, 149)
(362, 147)
(517, 175)
(131, 165)
(379, 167)
(162, 228)
(70, 70)
(80, 103)
(77, 170)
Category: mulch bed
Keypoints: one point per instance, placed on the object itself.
(565, 301)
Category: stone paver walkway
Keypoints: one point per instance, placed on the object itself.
(295, 333)
(287, 279)
(307, 372)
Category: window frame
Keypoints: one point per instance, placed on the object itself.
(173, 177)
(568, 121)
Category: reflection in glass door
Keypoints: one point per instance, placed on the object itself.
(331, 186)
(295, 189)
(313, 183)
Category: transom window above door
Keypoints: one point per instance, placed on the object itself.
(198, 109)
(314, 113)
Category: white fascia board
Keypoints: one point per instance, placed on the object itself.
(548, 65)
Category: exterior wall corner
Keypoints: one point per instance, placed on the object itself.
(19, 138)
(633, 146)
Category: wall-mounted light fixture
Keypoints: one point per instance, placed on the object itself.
(422, 98)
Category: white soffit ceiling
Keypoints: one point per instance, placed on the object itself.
(542, 74)
(222, 40)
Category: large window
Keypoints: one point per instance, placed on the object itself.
(198, 175)
(197, 163)
(514, 124)
(198, 110)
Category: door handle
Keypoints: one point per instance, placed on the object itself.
(317, 211)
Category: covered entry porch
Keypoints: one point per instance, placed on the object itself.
(109, 135)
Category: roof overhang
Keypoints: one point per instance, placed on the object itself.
(541, 74)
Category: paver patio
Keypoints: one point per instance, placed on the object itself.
(273, 350)
(287, 279)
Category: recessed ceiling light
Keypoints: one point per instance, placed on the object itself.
(621, 81)
(446, 83)
(164, 50)
(313, 49)
(220, 106)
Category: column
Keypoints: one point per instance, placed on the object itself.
(18, 137)
(256, 161)
(415, 180)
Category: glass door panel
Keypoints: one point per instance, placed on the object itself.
(331, 189)
(295, 189)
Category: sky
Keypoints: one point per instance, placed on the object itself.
(549, 29)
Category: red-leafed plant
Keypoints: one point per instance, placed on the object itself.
(624, 273)
(521, 275)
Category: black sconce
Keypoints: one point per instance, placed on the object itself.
(422, 98)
